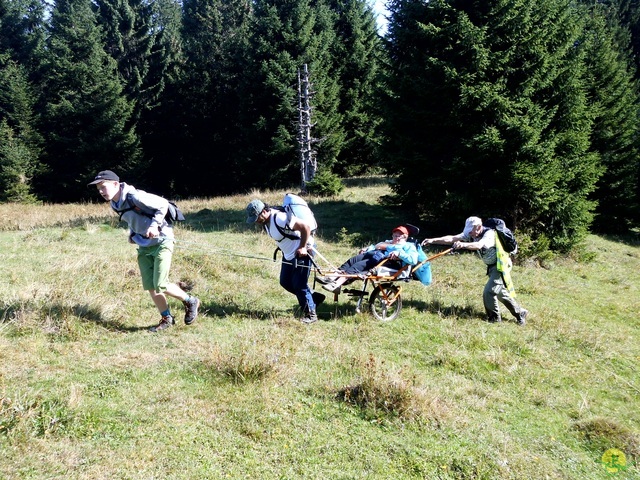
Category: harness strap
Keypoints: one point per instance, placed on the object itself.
(138, 210)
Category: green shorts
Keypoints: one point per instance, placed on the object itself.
(155, 263)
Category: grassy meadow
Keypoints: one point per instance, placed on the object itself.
(248, 392)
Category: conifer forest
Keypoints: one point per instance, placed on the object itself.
(524, 110)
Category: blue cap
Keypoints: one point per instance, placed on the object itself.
(254, 209)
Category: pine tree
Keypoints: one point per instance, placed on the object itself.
(616, 124)
(487, 114)
(21, 42)
(358, 59)
(129, 38)
(19, 142)
(215, 36)
(87, 117)
(627, 13)
(22, 32)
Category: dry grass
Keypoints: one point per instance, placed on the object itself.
(249, 392)
(382, 393)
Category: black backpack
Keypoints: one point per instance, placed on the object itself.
(174, 214)
(506, 236)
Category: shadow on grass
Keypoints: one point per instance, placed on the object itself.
(214, 309)
(92, 314)
(347, 308)
(631, 239)
(56, 314)
(446, 311)
(366, 181)
(328, 310)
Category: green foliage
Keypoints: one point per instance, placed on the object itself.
(358, 55)
(130, 33)
(284, 37)
(208, 134)
(16, 167)
(19, 140)
(22, 32)
(354, 239)
(86, 119)
(497, 122)
(325, 184)
(613, 92)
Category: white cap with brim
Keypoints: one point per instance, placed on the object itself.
(469, 224)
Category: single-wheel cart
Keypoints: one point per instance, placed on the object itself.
(385, 298)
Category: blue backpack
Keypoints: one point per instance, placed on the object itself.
(422, 273)
(295, 205)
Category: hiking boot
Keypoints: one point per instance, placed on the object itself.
(310, 317)
(522, 316)
(190, 310)
(493, 319)
(166, 322)
(318, 298)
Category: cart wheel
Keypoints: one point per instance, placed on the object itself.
(385, 302)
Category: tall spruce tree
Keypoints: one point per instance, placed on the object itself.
(358, 57)
(22, 32)
(215, 36)
(614, 95)
(19, 141)
(160, 124)
(21, 43)
(285, 36)
(87, 117)
(627, 12)
(488, 114)
(129, 38)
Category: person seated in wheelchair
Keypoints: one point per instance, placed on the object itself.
(397, 252)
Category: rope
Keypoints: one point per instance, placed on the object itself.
(210, 249)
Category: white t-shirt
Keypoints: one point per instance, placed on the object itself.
(287, 245)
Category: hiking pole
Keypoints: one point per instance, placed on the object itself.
(444, 252)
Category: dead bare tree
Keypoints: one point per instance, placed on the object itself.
(308, 160)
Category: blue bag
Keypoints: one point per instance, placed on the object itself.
(423, 272)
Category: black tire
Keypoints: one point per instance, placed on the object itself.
(383, 309)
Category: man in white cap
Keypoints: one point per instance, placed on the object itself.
(293, 236)
(483, 240)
